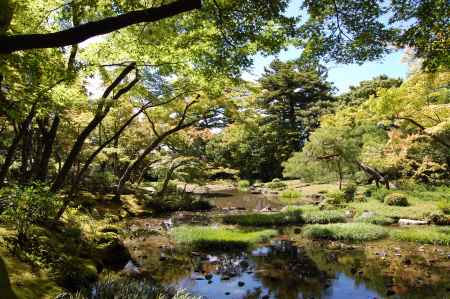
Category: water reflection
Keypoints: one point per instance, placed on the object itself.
(282, 270)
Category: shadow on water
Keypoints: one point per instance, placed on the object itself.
(282, 270)
(5, 286)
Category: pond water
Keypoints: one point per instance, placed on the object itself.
(282, 270)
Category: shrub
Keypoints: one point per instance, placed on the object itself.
(349, 192)
(277, 184)
(444, 206)
(29, 205)
(396, 199)
(202, 237)
(423, 235)
(345, 231)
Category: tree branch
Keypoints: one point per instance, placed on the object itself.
(78, 34)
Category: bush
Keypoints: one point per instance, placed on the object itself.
(396, 199)
(243, 184)
(277, 184)
(29, 205)
(349, 192)
(202, 237)
(345, 231)
(424, 235)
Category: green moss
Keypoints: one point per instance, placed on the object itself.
(345, 231)
(323, 216)
(276, 184)
(423, 235)
(219, 237)
(290, 195)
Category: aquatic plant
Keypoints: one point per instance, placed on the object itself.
(345, 231)
(423, 235)
(202, 237)
(260, 219)
(376, 219)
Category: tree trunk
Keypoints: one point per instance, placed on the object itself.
(48, 141)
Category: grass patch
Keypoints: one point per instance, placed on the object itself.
(290, 196)
(208, 238)
(376, 219)
(417, 209)
(323, 217)
(258, 219)
(424, 235)
(345, 231)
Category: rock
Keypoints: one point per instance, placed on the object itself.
(131, 269)
(241, 283)
(225, 277)
(266, 209)
(111, 251)
(227, 293)
(411, 222)
(244, 264)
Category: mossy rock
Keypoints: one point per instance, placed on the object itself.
(396, 199)
(439, 219)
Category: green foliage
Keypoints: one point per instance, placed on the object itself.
(290, 195)
(276, 184)
(439, 219)
(444, 206)
(396, 199)
(177, 202)
(335, 198)
(259, 219)
(243, 184)
(127, 288)
(376, 219)
(74, 273)
(26, 206)
(345, 231)
(323, 217)
(378, 193)
(219, 237)
(423, 235)
(349, 191)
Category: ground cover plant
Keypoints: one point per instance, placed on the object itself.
(219, 237)
(357, 232)
(424, 235)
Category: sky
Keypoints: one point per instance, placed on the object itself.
(342, 76)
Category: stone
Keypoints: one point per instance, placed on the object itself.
(208, 276)
(241, 283)
(131, 269)
(411, 222)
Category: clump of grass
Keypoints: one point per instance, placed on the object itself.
(277, 184)
(345, 231)
(290, 195)
(209, 238)
(423, 235)
(376, 219)
(259, 219)
(323, 216)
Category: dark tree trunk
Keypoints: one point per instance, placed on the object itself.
(14, 145)
(48, 141)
